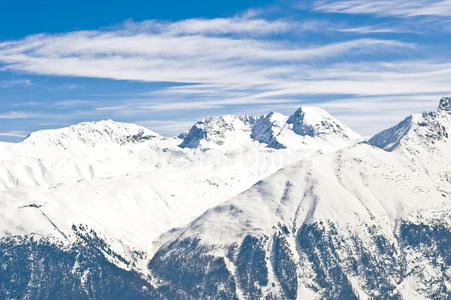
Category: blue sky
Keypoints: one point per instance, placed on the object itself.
(165, 64)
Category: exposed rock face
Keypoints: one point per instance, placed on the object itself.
(313, 121)
(445, 104)
(219, 131)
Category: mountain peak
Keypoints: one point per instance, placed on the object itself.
(306, 119)
(426, 129)
(92, 133)
(314, 121)
(267, 127)
(216, 131)
(445, 104)
(273, 129)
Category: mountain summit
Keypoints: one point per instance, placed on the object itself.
(445, 104)
(274, 130)
(426, 130)
(221, 131)
(91, 134)
(313, 122)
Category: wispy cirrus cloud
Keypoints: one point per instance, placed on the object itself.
(372, 29)
(17, 115)
(14, 134)
(13, 83)
(221, 70)
(234, 25)
(237, 62)
(189, 51)
(72, 102)
(397, 8)
(150, 57)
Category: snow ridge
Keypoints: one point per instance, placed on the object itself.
(91, 134)
(427, 130)
(213, 132)
(274, 130)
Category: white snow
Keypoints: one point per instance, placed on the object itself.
(357, 186)
(354, 185)
(130, 184)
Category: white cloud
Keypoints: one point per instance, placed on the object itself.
(403, 77)
(168, 127)
(17, 115)
(16, 134)
(235, 25)
(12, 83)
(398, 8)
(215, 61)
(74, 102)
(231, 62)
(371, 29)
(167, 58)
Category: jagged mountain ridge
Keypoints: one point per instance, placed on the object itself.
(420, 129)
(359, 222)
(273, 130)
(103, 149)
(129, 184)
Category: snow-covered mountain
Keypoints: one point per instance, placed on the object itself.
(368, 221)
(91, 134)
(93, 150)
(130, 184)
(84, 151)
(224, 131)
(307, 125)
(287, 207)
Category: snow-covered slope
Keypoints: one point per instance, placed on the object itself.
(84, 151)
(362, 222)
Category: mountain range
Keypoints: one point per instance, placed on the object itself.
(237, 207)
